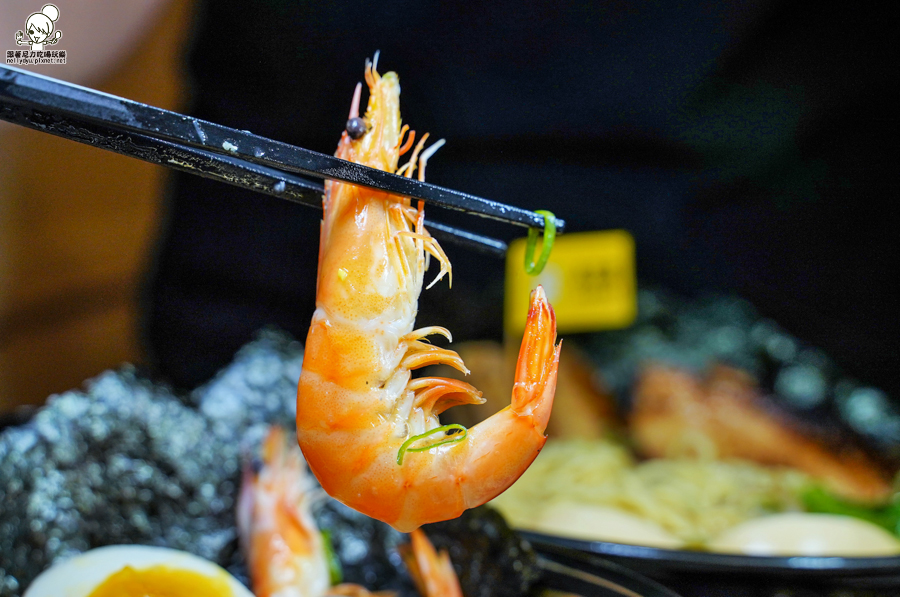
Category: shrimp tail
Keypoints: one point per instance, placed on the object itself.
(538, 362)
(503, 446)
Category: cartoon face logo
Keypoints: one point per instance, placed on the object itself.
(39, 29)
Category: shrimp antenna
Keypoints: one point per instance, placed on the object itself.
(423, 159)
(354, 105)
(431, 150)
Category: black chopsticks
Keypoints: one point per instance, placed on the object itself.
(215, 151)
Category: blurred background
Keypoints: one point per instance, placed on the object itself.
(744, 145)
(739, 144)
(76, 223)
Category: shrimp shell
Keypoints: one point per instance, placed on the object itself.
(359, 411)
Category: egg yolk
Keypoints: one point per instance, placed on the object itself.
(161, 581)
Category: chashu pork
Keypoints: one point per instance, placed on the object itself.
(675, 412)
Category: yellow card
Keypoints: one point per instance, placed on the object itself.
(589, 279)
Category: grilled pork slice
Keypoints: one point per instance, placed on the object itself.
(725, 415)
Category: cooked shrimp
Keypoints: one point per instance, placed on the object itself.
(283, 547)
(286, 553)
(370, 432)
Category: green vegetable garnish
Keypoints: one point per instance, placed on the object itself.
(533, 268)
(448, 439)
(335, 573)
(819, 500)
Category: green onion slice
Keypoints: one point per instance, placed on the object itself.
(448, 439)
(533, 268)
(335, 573)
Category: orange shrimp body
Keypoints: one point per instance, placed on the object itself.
(358, 409)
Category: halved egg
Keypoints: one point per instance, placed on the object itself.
(136, 571)
(601, 523)
(801, 534)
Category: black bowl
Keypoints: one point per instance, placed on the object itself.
(587, 575)
(705, 573)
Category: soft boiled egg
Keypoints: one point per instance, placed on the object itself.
(601, 523)
(800, 534)
(136, 571)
